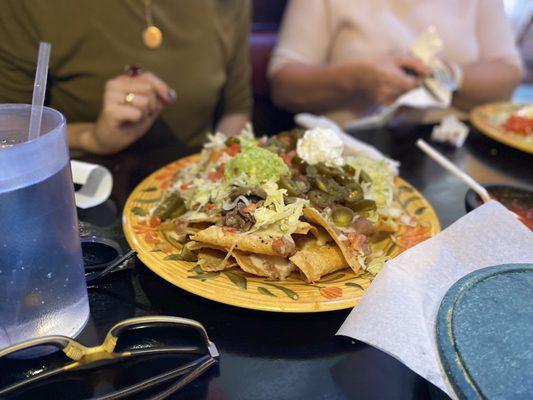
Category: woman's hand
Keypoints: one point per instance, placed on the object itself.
(129, 108)
(383, 79)
(362, 81)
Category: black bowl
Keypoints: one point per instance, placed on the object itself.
(508, 195)
(99, 252)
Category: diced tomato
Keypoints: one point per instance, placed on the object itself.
(209, 206)
(519, 125)
(230, 229)
(287, 157)
(155, 221)
(233, 149)
(185, 186)
(215, 176)
(357, 240)
(250, 209)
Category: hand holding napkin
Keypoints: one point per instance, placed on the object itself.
(398, 312)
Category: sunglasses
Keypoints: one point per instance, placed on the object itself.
(31, 365)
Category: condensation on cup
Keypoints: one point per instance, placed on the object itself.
(42, 282)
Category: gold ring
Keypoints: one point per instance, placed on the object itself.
(128, 99)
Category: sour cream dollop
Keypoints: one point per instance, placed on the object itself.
(321, 145)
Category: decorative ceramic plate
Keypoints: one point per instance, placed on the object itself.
(339, 290)
(488, 119)
(484, 333)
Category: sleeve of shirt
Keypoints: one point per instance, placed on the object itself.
(237, 94)
(304, 35)
(495, 37)
(18, 53)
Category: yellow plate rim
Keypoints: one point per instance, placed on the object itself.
(487, 129)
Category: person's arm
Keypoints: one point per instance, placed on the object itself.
(498, 70)
(232, 124)
(303, 79)
(121, 122)
(236, 99)
(487, 81)
(320, 88)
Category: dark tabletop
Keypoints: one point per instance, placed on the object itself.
(285, 356)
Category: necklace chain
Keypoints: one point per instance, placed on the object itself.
(148, 13)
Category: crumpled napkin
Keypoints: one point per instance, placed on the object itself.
(397, 313)
(96, 181)
(451, 131)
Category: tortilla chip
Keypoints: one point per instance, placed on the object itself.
(211, 260)
(195, 246)
(321, 235)
(316, 260)
(262, 265)
(198, 217)
(303, 228)
(251, 243)
(350, 255)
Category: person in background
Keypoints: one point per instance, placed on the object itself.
(343, 58)
(192, 73)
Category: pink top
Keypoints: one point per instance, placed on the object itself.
(327, 31)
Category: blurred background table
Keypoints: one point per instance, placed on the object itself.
(287, 356)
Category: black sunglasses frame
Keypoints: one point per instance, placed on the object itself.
(84, 357)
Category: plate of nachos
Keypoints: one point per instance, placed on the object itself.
(287, 223)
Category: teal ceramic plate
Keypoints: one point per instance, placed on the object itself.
(485, 333)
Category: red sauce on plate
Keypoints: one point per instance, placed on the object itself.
(519, 125)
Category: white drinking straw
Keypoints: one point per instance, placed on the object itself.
(451, 167)
(39, 90)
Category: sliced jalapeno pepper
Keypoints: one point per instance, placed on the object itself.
(362, 205)
(232, 140)
(172, 207)
(342, 216)
(364, 177)
(319, 198)
(353, 192)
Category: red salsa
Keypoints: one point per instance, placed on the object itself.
(519, 201)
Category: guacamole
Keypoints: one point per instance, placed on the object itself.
(256, 165)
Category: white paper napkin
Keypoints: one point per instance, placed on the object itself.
(97, 183)
(398, 312)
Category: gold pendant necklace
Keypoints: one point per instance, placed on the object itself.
(152, 35)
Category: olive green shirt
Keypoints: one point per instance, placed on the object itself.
(204, 56)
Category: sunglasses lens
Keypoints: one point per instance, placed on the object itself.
(25, 364)
(154, 337)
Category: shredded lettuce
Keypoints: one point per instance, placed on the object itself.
(275, 217)
(207, 191)
(382, 187)
(216, 141)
